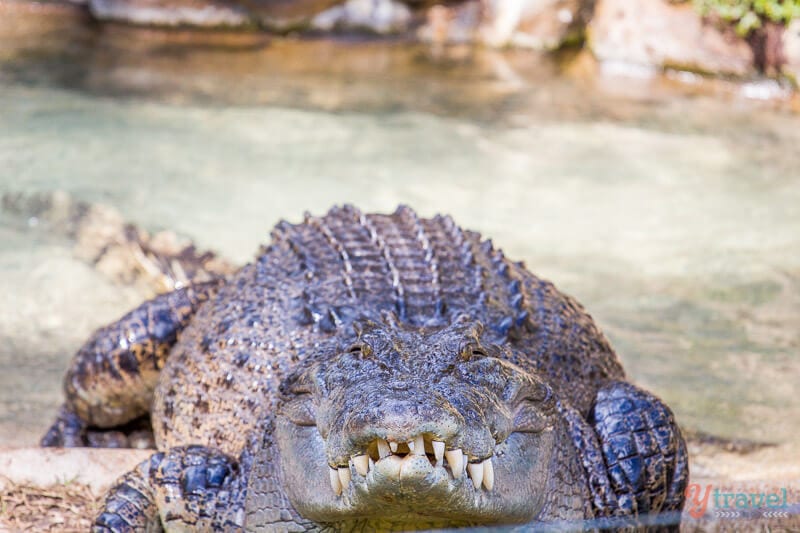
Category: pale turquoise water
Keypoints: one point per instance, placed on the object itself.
(675, 220)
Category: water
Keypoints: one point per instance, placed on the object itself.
(672, 212)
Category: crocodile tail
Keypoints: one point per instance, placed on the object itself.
(118, 249)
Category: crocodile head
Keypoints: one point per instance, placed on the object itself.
(417, 427)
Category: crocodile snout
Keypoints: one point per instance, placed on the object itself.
(408, 442)
(401, 420)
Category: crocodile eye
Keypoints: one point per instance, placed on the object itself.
(360, 348)
(472, 350)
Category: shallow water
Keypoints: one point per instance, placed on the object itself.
(671, 212)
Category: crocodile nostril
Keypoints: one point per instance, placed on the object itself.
(398, 426)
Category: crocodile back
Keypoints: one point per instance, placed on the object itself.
(316, 278)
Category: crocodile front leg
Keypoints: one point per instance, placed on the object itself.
(189, 488)
(195, 488)
(643, 451)
(111, 378)
(633, 456)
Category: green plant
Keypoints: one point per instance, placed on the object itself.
(749, 15)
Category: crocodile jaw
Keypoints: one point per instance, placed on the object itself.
(411, 490)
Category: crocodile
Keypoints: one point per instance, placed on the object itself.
(372, 372)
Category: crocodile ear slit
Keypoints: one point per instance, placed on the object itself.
(361, 348)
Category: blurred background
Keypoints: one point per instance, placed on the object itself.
(641, 155)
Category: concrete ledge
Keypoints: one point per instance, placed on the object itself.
(96, 468)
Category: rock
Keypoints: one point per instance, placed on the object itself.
(276, 15)
(287, 15)
(658, 34)
(791, 51)
(202, 13)
(537, 24)
(378, 16)
(452, 24)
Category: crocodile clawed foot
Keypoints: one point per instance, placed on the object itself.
(190, 488)
(68, 430)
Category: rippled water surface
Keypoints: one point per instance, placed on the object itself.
(672, 213)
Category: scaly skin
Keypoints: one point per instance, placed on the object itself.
(111, 379)
(281, 390)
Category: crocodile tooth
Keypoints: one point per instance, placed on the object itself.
(456, 461)
(361, 462)
(438, 451)
(488, 474)
(410, 445)
(476, 473)
(417, 446)
(336, 484)
(383, 449)
(344, 477)
(393, 446)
